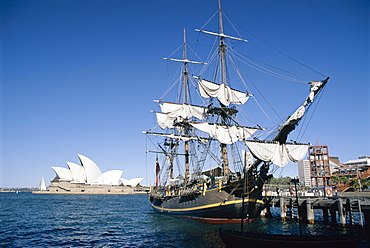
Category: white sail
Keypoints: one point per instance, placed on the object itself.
(42, 185)
(164, 120)
(175, 112)
(183, 110)
(279, 154)
(247, 159)
(225, 134)
(224, 93)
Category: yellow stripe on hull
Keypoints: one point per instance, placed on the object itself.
(206, 206)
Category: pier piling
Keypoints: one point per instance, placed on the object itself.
(360, 206)
(325, 214)
(342, 218)
(310, 212)
(282, 209)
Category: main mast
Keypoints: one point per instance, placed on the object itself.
(222, 111)
(187, 101)
(222, 52)
(222, 46)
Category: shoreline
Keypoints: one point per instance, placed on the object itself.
(87, 193)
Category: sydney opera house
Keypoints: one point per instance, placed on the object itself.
(87, 178)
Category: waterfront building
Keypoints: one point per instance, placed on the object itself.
(87, 178)
(88, 173)
(319, 164)
(319, 170)
(354, 168)
(304, 173)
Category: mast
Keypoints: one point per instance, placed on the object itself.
(222, 46)
(223, 111)
(185, 83)
(185, 77)
(222, 50)
(187, 96)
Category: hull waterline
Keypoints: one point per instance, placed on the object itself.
(213, 206)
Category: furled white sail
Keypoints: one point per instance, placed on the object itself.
(298, 114)
(164, 120)
(183, 110)
(279, 154)
(225, 134)
(175, 112)
(224, 93)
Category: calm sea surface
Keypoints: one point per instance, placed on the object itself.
(30, 220)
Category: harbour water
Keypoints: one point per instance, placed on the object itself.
(29, 220)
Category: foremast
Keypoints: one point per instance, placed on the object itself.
(183, 123)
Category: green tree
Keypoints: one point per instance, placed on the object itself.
(280, 180)
(344, 180)
(336, 179)
(365, 183)
(354, 183)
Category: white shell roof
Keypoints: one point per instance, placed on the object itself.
(92, 170)
(88, 173)
(112, 176)
(78, 172)
(62, 173)
(132, 182)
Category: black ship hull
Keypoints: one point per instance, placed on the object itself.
(212, 205)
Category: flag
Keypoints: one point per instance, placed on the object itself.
(157, 170)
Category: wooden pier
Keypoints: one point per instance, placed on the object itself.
(353, 210)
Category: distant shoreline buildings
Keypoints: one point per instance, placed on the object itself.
(319, 169)
(87, 178)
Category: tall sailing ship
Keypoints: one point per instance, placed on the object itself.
(214, 167)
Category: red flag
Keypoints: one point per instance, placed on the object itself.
(157, 170)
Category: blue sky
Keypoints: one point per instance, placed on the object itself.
(79, 77)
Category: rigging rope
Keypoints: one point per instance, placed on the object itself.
(170, 87)
(317, 103)
(270, 72)
(298, 62)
